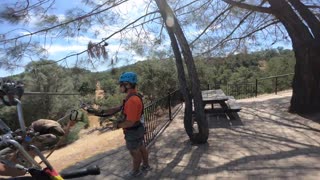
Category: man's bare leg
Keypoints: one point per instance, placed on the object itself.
(136, 159)
(145, 155)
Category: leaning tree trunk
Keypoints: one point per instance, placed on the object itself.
(174, 27)
(200, 116)
(183, 84)
(306, 45)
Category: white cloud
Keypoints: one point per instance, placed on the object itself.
(62, 48)
(34, 19)
(131, 8)
(84, 40)
(218, 26)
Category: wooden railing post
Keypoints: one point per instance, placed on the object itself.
(169, 104)
(256, 87)
(276, 85)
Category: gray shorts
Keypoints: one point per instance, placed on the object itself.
(134, 138)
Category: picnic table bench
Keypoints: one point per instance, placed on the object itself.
(228, 104)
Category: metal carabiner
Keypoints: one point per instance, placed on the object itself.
(73, 115)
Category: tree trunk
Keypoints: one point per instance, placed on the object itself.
(306, 81)
(183, 84)
(200, 116)
(174, 27)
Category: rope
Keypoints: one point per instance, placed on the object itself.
(67, 131)
(60, 141)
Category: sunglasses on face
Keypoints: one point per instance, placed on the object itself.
(122, 84)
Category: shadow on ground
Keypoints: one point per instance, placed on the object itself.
(222, 121)
(266, 142)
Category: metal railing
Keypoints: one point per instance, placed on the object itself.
(271, 84)
(274, 83)
(241, 91)
(158, 114)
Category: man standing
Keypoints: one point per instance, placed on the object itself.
(130, 121)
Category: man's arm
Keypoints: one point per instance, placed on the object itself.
(105, 113)
(126, 124)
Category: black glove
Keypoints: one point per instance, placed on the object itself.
(88, 108)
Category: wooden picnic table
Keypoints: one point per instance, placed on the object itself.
(228, 104)
(213, 96)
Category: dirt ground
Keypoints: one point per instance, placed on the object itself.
(93, 141)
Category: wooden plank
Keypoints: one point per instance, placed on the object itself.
(221, 110)
(233, 116)
(233, 104)
(213, 96)
(214, 101)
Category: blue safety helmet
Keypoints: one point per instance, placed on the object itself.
(130, 77)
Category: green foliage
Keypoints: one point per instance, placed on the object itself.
(156, 78)
(85, 89)
(83, 117)
(280, 65)
(110, 101)
(9, 116)
(82, 122)
(74, 133)
(109, 85)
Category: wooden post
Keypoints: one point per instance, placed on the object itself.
(276, 85)
(256, 87)
(169, 104)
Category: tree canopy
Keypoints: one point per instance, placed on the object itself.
(213, 28)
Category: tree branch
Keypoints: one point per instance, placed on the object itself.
(122, 29)
(249, 7)
(239, 24)
(65, 23)
(213, 21)
(91, 13)
(242, 37)
(308, 16)
(104, 39)
(313, 6)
